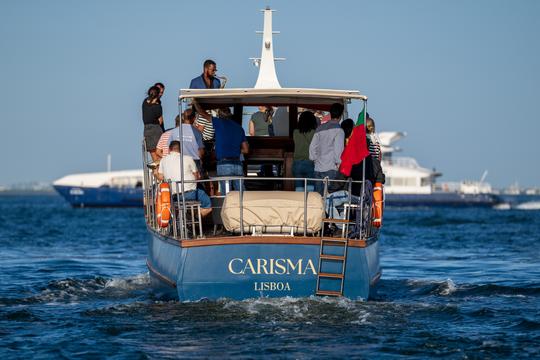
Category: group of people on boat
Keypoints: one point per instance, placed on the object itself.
(201, 135)
(335, 148)
(325, 146)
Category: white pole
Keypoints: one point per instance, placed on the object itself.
(267, 78)
(109, 162)
(181, 135)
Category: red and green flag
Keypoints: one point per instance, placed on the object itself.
(360, 120)
(357, 148)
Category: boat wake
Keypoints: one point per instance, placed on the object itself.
(502, 206)
(72, 291)
(442, 288)
(124, 307)
(311, 309)
(531, 205)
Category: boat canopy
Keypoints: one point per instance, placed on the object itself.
(316, 98)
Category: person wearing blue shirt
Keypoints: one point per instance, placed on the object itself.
(231, 143)
(208, 79)
(192, 144)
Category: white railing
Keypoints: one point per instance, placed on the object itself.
(178, 225)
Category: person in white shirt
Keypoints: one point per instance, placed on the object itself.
(169, 169)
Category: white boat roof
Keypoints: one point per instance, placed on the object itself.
(96, 179)
(276, 96)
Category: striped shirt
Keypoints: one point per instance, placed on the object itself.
(163, 142)
(208, 131)
(374, 146)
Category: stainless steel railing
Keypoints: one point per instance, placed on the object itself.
(178, 227)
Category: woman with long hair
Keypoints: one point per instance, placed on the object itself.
(152, 116)
(302, 136)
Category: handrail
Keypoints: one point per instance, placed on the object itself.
(275, 178)
(241, 208)
(151, 185)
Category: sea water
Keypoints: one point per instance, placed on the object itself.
(457, 283)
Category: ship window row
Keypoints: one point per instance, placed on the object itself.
(401, 181)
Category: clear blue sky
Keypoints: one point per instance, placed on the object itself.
(461, 77)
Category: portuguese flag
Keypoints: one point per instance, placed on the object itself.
(360, 120)
(357, 148)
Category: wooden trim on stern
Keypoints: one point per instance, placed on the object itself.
(270, 240)
(159, 275)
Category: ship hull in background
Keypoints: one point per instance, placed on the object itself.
(441, 199)
(103, 196)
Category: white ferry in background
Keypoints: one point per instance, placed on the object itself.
(409, 184)
(102, 189)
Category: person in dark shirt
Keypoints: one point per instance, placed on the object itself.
(347, 125)
(231, 143)
(152, 116)
(373, 173)
(208, 79)
(161, 91)
(373, 170)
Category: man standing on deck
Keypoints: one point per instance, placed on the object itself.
(231, 143)
(326, 147)
(207, 80)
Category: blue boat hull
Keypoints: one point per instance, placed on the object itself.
(102, 196)
(251, 270)
(441, 199)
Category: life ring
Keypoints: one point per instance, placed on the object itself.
(163, 205)
(378, 205)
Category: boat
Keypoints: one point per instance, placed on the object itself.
(409, 184)
(102, 189)
(276, 241)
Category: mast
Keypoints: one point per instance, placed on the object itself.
(267, 78)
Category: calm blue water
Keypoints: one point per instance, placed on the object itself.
(457, 283)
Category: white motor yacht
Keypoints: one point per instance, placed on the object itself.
(409, 184)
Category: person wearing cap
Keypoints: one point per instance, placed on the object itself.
(326, 147)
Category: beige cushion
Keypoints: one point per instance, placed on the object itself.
(273, 211)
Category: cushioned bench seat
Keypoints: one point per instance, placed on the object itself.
(273, 211)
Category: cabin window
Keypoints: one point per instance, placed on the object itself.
(425, 181)
(280, 119)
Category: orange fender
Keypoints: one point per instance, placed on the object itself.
(163, 205)
(378, 205)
